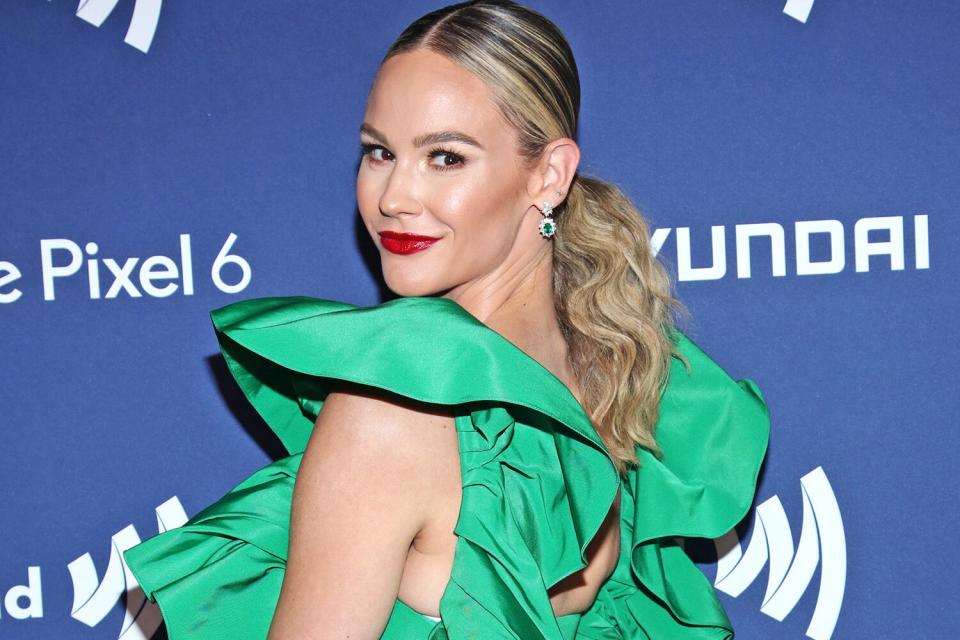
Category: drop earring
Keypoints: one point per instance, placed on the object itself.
(548, 226)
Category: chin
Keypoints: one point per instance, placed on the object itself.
(407, 286)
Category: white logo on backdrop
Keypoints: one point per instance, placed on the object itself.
(93, 599)
(870, 253)
(159, 276)
(822, 541)
(798, 9)
(143, 24)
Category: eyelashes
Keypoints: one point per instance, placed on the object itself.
(448, 159)
(439, 152)
(369, 149)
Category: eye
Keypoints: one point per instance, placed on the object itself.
(444, 159)
(376, 152)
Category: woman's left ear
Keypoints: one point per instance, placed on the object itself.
(550, 181)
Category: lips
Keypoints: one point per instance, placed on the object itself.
(405, 243)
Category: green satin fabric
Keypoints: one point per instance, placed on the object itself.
(537, 480)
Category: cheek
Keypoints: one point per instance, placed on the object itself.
(369, 190)
(477, 209)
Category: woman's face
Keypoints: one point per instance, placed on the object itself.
(440, 161)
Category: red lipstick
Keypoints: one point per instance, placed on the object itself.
(405, 243)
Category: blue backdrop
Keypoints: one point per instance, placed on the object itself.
(798, 161)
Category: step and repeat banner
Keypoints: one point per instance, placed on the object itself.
(798, 163)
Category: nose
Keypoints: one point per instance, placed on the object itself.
(399, 194)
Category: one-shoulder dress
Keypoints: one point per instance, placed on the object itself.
(537, 480)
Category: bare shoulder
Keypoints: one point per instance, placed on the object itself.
(362, 495)
(382, 445)
(395, 436)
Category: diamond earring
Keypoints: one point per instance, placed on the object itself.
(548, 226)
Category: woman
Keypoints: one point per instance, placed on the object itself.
(483, 461)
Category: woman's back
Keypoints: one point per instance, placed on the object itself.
(430, 558)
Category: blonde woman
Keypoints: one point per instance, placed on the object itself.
(510, 448)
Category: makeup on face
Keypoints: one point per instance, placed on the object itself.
(440, 183)
(405, 243)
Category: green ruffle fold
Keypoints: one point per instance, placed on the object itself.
(537, 480)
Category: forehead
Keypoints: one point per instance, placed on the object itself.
(422, 91)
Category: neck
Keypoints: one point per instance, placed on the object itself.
(517, 303)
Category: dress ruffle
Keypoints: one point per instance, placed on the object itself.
(537, 479)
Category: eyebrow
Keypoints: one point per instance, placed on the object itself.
(426, 138)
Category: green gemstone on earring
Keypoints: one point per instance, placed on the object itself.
(547, 227)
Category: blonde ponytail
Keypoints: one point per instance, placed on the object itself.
(614, 304)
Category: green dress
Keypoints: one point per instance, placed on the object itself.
(537, 480)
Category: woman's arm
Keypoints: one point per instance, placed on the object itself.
(360, 498)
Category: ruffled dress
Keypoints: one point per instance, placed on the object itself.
(537, 480)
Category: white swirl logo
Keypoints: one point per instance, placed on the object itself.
(143, 24)
(93, 599)
(822, 541)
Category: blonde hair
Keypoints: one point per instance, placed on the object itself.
(613, 298)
